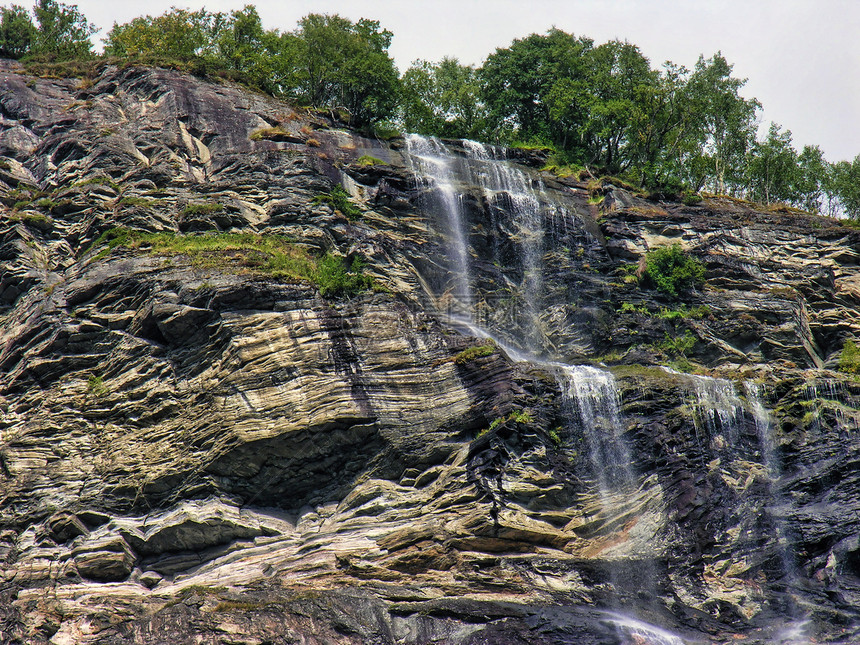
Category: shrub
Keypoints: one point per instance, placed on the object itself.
(670, 270)
(339, 200)
(96, 386)
(471, 353)
(276, 132)
(679, 345)
(335, 277)
(367, 160)
(202, 209)
(849, 359)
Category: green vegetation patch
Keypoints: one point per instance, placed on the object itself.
(339, 200)
(471, 353)
(269, 134)
(671, 270)
(208, 208)
(96, 386)
(138, 202)
(849, 359)
(368, 160)
(98, 181)
(678, 345)
(37, 220)
(683, 312)
(271, 255)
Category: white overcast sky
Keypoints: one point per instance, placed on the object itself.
(802, 57)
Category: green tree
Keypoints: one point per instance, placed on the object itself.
(176, 34)
(723, 124)
(845, 184)
(63, 31)
(772, 169)
(811, 178)
(344, 65)
(17, 32)
(442, 100)
(620, 80)
(533, 89)
(670, 270)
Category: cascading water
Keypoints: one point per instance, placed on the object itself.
(591, 393)
(594, 395)
(719, 421)
(764, 428)
(433, 166)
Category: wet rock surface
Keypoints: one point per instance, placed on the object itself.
(201, 452)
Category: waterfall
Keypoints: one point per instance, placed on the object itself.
(632, 631)
(434, 167)
(509, 188)
(591, 396)
(794, 634)
(592, 393)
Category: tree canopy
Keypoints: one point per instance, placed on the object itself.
(603, 107)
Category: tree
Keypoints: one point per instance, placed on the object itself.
(620, 80)
(772, 170)
(845, 184)
(341, 64)
(442, 100)
(63, 31)
(811, 179)
(724, 124)
(176, 34)
(532, 89)
(17, 32)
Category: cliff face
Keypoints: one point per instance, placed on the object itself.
(196, 449)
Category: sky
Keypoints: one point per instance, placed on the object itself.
(801, 57)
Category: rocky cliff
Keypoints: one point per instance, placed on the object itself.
(199, 446)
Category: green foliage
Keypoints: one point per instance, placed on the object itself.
(137, 202)
(334, 276)
(178, 33)
(271, 255)
(471, 353)
(336, 63)
(208, 208)
(849, 359)
(96, 386)
(555, 436)
(17, 32)
(368, 160)
(678, 345)
(98, 181)
(339, 200)
(670, 270)
(517, 416)
(442, 99)
(678, 313)
(55, 32)
(63, 32)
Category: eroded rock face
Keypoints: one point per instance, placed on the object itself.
(205, 453)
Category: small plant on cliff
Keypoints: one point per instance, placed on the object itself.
(849, 359)
(202, 209)
(339, 200)
(670, 270)
(678, 345)
(336, 276)
(471, 353)
(96, 386)
(368, 160)
(277, 132)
